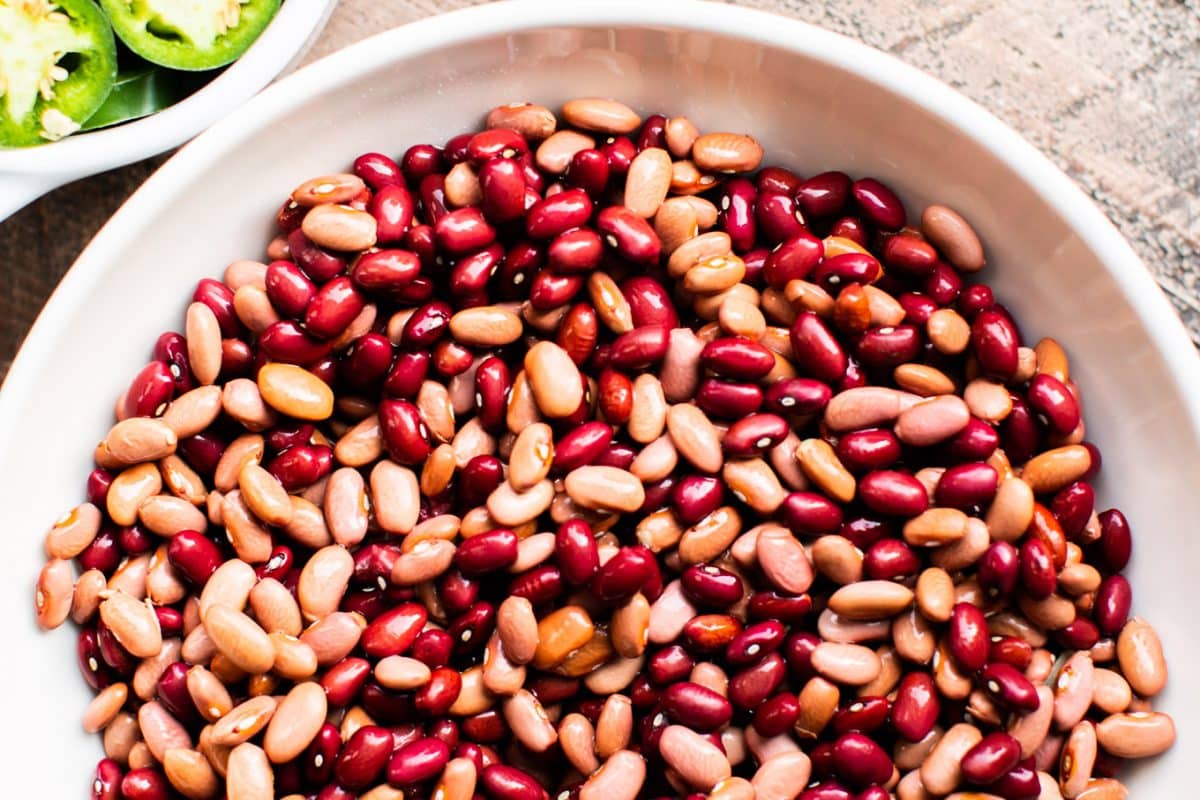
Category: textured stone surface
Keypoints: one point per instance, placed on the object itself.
(1108, 88)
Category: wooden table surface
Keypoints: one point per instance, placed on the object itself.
(1109, 89)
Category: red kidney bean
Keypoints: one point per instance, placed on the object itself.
(588, 171)
(649, 303)
(366, 361)
(98, 482)
(539, 585)
(1008, 687)
(407, 374)
(320, 756)
(864, 715)
(487, 552)
(737, 358)
(909, 254)
(890, 559)
(404, 432)
(630, 236)
(976, 442)
(694, 497)
(419, 161)
(1080, 634)
(999, 570)
(991, 759)
(620, 151)
(795, 258)
(859, 761)
(458, 592)
(502, 782)
(824, 195)
(994, 342)
(917, 307)
(417, 762)
(170, 621)
(798, 396)
(318, 263)
(1116, 541)
(968, 636)
(888, 347)
(777, 179)
(696, 706)
(144, 784)
(582, 446)
(653, 132)
(777, 216)
(103, 553)
(669, 665)
(549, 290)
(435, 698)
(878, 204)
(1017, 653)
(967, 485)
(1048, 396)
(195, 556)
(578, 250)
(344, 680)
(173, 693)
(471, 630)
(943, 284)
(496, 143)
(558, 214)
(846, 268)
(377, 170)
(1072, 507)
(810, 514)
(333, 307)
(493, 383)
(479, 478)
(754, 435)
(112, 652)
(892, 493)
(575, 552)
(773, 605)
(777, 715)
(1113, 601)
(728, 400)
(916, 707)
(392, 207)
(393, 632)
(1020, 783)
(737, 200)
(432, 648)
(974, 299)
(639, 348)
(623, 575)
(868, 449)
(711, 586)
(379, 271)
(463, 230)
(106, 783)
(826, 790)
(816, 349)
(1038, 575)
(298, 467)
(432, 191)
(91, 663)
(288, 434)
(134, 540)
(751, 686)
(286, 341)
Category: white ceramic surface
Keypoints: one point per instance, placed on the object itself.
(816, 100)
(27, 173)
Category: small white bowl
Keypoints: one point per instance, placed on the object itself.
(815, 100)
(26, 173)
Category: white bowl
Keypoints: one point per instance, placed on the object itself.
(26, 173)
(816, 100)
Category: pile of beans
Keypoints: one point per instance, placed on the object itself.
(586, 456)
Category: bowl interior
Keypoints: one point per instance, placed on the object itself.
(815, 101)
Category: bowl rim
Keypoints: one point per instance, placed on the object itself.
(1150, 305)
(277, 48)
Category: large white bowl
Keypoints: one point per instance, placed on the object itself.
(27, 173)
(816, 100)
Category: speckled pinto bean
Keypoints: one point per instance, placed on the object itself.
(595, 434)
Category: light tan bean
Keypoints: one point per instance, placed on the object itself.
(160, 730)
(553, 379)
(1111, 693)
(1051, 470)
(932, 420)
(427, 560)
(240, 639)
(851, 664)
(942, 771)
(86, 598)
(648, 414)
(1140, 655)
(129, 490)
(1139, 734)
(555, 153)
(323, 581)
(675, 223)
(953, 236)
(726, 152)
(296, 722)
(601, 115)
(190, 773)
(695, 437)
(870, 600)
(242, 450)
(605, 488)
(818, 703)
(648, 181)
(620, 778)
(347, 507)
(203, 334)
(295, 391)
(528, 721)
(914, 637)
(210, 696)
(104, 707)
(782, 776)
(264, 495)
(133, 623)
(783, 560)
(518, 629)
(711, 536)
(699, 762)
(614, 727)
(250, 539)
(250, 776)
(615, 676)
(836, 558)
(680, 373)
(139, 439)
(71, 533)
(532, 455)
(577, 738)
(866, 406)
(53, 596)
(670, 613)
(339, 227)
(935, 526)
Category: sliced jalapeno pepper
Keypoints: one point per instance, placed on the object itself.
(189, 34)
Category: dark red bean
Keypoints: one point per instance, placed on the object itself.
(859, 761)
(383, 271)
(968, 636)
(737, 218)
(1008, 687)
(578, 250)
(144, 784)
(575, 552)
(649, 302)
(751, 686)
(878, 204)
(918, 308)
(816, 349)
(1072, 507)
(696, 706)
(393, 632)
(539, 585)
(194, 556)
(890, 559)
(302, 466)
(404, 432)
(91, 662)
(487, 726)
(909, 254)
(826, 790)
(629, 235)
(344, 680)
(694, 497)
(457, 592)
(622, 576)
(773, 605)
(994, 342)
(1038, 575)
(709, 585)
(824, 195)
(1116, 540)
(487, 552)
(798, 396)
(363, 758)
(135, 540)
(737, 358)
(846, 268)
(558, 214)
(754, 435)
(407, 374)
(892, 493)
(392, 207)
(463, 230)
(333, 308)
(991, 758)
(1021, 782)
(1113, 601)
(640, 348)
(502, 189)
(916, 707)
(810, 514)
(172, 691)
(417, 762)
(106, 783)
(496, 143)
(868, 449)
(98, 482)
(1080, 634)
(377, 170)
(472, 628)
(793, 259)
(864, 715)
(502, 782)
(1017, 653)
(286, 341)
(479, 478)
(588, 170)
(976, 442)
(320, 756)
(727, 399)
(170, 620)
(582, 446)
(432, 191)
(967, 485)
(1050, 397)
(219, 298)
(112, 652)
(943, 284)
(776, 715)
(432, 648)
(549, 290)
(317, 263)
(999, 570)
(419, 161)
(888, 347)
(435, 698)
